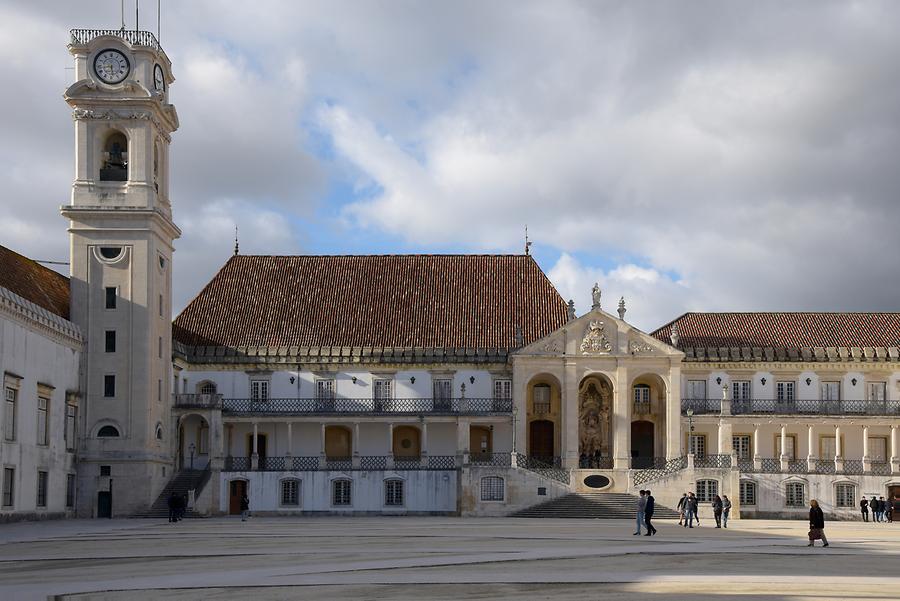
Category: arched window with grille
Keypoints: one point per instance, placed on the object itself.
(108, 432)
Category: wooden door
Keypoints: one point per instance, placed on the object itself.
(236, 490)
(894, 497)
(541, 440)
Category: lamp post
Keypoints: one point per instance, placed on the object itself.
(192, 448)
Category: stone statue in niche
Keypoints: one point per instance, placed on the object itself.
(594, 408)
(595, 340)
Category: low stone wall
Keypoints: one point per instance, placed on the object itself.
(521, 490)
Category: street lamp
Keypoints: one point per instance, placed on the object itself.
(192, 448)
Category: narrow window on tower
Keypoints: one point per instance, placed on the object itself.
(160, 347)
(110, 341)
(109, 386)
(160, 305)
(111, 295)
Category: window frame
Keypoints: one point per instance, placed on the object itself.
(71, 425)
(394, 492)
(736, 448)
(710, 489)
(690, 443)
(43, 421)
(382, 389)
(777, 446)
(788, 496)
(109, 386)
(743, 487)
(690, 390)
(325, 389)
(109, 341)
(259, 389)
(111, 298)
(43, 481)
(741, 390)
(9, 487)
(104, 427)
(488, 488)
(879, 385)
(71, 484)
(441, 389)
(501, 389)
(10, 414)
(785, 390)
(341, 498)
(840, 496)
(828, 388)
(288, 497)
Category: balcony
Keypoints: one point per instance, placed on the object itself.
(80, 37)
(197, 401)
(281, 407)
(860, 407)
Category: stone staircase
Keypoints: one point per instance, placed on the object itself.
(598, 505)
(180, 484)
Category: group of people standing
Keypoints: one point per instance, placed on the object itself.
(645, 507)
(689, 504)
(177, 506)
(882, 511)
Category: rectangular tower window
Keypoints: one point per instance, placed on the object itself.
(111, 295)
(69, 432)
(159, 390)
(9, 424)
(110, 341)
(109, 386)
(9, 483)
(160, 305)
(159, 345)
(42, 489)
(43, 420)
(70, 490)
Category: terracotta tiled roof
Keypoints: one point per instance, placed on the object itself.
(34, 282)
(784, 330)
(401, 301)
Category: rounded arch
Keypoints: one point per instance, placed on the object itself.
(595, 393)
(543, 409)
(159, 431)
(106, 428)
(407, 442)
(656, 388)
(338, 442)
(206, 387)
(114, 156)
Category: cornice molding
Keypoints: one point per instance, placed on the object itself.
(40, 320)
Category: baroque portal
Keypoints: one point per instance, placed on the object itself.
(594, 419)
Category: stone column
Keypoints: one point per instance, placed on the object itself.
(254, 457)
(622, 421)
(390, 446)
(462, 440)
(673, 415)
(323, 460)
(838, 451)
(757, 458)
(811, 452)
(424, 453)
(355, 457)
(520, 411)
(570, 417)
(784, 456)
(290, 444)
(726, 447)
(866, 460)
(895, 451)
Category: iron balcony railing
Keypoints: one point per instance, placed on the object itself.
(80, 37)
(490, 459)
(365, 463)
(462, 406)
(548, 467)
(713, 461)
(595, 462)
(197, 401)
(793, 407)
(662, 468)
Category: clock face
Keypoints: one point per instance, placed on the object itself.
(159, 82)
(111, 66)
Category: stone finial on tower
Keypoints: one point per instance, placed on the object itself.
(595, 295)
(520, 338)
(673, 334)
(570, 310)
(622, 308)
(236, 246)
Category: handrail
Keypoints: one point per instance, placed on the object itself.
(408, 406)
(133, 37)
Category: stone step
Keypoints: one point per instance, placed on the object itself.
(596, 505)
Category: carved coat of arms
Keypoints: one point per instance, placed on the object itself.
(595, 340)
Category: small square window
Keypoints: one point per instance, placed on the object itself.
(109, 386)
(105, 470)
(111, 296)
(110, 341)
(492, 488)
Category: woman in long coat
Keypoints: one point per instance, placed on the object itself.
(816, 524)
(717, 510)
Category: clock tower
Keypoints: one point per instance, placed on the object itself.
(121, 234)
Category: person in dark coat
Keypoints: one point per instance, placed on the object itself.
(172, 503)
(726, 510)
(245, 507)
(717, 510)
(648, 514)
(816, 524)
(864, 509)
(682, 508)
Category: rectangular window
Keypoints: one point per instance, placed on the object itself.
(383, 389)
(42, 489)
(290, 492)
(70, 490)
(794, 494)
(831, 391)
(502, 389)
(876, 391)
(442, 389)
(740, 390)
(111, 295)
(160, 305)
(159, 389)
(159, 345)
(641, 395)
(393, 492)
(748, 492)
(492, 488)
(259, 390)
(109, 386)
(878, 449)
(43, 421)
(741, 445)
(845, 495)
(110, 341)
(70, 427)
(706, 490)
(790, 444)
(9, 422)
(541, 397)
(784, 391)
(340, 492)
(9, 486)
(697, 445)
(105, 470)
(828, 448)
(325, 389)
(696, 389)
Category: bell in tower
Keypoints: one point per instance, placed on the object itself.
(122, 234)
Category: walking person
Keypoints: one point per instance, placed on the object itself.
(172, 503)
(882, 507)
(681, 508)
(641, 505)
(691, 511)
(245, 507)
(816, 524)
(889, 511)
(726, 509)
(648, 514)
(864, 509)
(717, 510)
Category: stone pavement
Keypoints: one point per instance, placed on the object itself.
(443, 558)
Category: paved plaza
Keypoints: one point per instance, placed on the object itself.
(443, 558)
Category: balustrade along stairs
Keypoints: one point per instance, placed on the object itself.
(598, 505)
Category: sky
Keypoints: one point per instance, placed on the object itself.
(689, 156)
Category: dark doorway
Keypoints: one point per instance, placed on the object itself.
(237, 489)
(894, 497)
(104, 504)
(641, 444)
(260, 446)
(541, 439)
